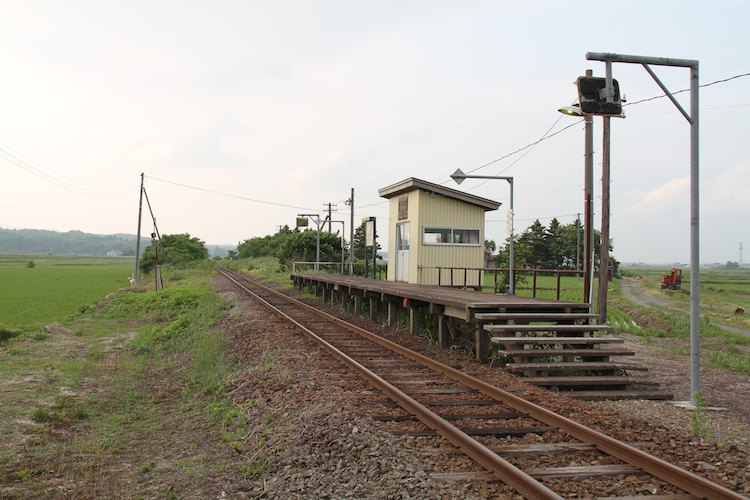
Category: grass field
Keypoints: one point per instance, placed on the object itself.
(722, 292)
(55, 287)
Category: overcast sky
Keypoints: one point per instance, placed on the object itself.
(297, 102)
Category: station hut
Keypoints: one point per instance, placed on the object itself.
(432, 229)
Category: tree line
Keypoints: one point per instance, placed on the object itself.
(557, 246)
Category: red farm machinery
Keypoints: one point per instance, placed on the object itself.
(673, 280)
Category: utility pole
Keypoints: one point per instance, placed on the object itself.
(578, 242)
(740, 261)
(588, 206)
(330, 218)
(137, 275)
(351, 234)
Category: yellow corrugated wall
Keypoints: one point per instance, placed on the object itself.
(439, 211)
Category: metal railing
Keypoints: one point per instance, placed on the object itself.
(478, 278)
(381, 270)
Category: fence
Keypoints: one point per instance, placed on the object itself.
(565, 284)
(381, 270)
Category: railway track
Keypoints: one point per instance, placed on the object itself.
(476, 417)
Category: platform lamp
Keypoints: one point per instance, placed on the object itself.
(459, 177)
(318, 222)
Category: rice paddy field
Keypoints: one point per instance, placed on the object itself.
(725, 293)
(55, 288)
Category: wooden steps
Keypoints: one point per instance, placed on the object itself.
(571, 356)
(618, 395)
(572, 366)
(547, 328)
(591, 380)
(556, 340)
(553, 316)
(581, 353)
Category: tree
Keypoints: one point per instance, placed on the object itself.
(264, 246)
(553, 247)
(174, 249)
(302, 247)
(490, 245)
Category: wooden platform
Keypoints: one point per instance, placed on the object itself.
(461, 304)
(554, 344)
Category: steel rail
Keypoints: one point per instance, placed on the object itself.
(672, 474)
(499, 467)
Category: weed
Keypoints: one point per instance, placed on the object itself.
(24, 475)
(147, 467)
(95, 353)
(40, 336)
(254, 469)
(18, 351)
(40, 415)
(731, 359)
(269, 360)
(6, 334)
(699, 425)
(80, 413)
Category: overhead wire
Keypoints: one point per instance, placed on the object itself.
(17, 159)
(229, 195)
(724, 80)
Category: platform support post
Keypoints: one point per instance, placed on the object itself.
(374, 309)
(443, 330)
(392, 312)
(346, 297)
(357, 304)
(413, 320)
(327, 293)
(481, 343)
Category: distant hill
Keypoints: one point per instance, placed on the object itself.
(40, 241)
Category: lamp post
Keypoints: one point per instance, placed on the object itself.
(588, 199)
(459, 177)
(342, 242)
(317, 222)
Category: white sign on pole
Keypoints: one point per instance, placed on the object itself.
(369, 233)
(510, 222)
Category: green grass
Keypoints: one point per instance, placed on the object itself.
(722, 291)
(571, 287)
(55, 288)
(731, 359)
(107, 401)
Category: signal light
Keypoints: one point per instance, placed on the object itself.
(593, 98)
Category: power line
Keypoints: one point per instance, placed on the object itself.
(530, 145)
(686, 90)
(535, 218)
(17, 159)
(229, 195)
(547, 135)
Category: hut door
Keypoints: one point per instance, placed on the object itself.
(402, 252)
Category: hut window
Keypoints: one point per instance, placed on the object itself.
(449, 236)
(466, 236)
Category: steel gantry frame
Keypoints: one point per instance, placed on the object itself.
(692, 119)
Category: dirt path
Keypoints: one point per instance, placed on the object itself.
(634, 292)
